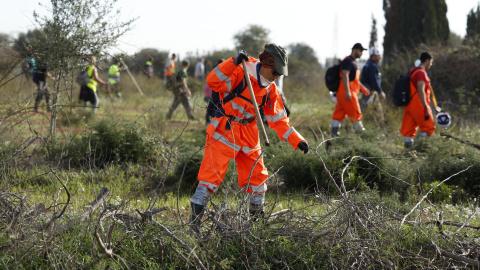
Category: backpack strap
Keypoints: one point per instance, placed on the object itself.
(411, 74)
(236, 92)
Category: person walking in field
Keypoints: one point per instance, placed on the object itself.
(418, 113)
(149, 67)
(200, 69)
(88, 92)
(347, 94)
(39, 77)
(181, 92)
(28, 66)
(233, 132)
(169, 72)
(114, 78)
(371, 79)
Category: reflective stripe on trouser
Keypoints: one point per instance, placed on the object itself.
(215, 165)
(414, 118)
(347, 108)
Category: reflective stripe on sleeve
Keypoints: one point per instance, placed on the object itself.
(211, 186)
(276, 117)
(223, 78)
(289, 131)
(215, 123)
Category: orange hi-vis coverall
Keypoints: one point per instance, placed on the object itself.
(350, 108)
(413, 113)
(170, 70)
(240, 141)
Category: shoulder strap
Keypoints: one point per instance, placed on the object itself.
(414, 71)
(411, 74)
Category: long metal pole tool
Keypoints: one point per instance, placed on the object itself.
(131, 76)
(255, 105)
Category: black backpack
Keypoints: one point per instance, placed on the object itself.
(332, 77)
(401, 89)
(215, 108)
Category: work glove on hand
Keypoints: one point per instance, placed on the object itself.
(242, 55)
(303, 145)
(426, 112)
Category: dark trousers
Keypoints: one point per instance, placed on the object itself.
(42, 91)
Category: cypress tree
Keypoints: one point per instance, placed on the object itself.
(410, 22)
(373, 33)
(473, 23)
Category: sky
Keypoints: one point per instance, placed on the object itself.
(202, 26)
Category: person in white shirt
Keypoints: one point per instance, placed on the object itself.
(200, 69)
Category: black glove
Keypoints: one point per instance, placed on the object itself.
(242, 55)
(303, 145)
(426, 112)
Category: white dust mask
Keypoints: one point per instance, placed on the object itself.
(264, 81)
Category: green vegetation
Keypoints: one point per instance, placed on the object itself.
(112, 190)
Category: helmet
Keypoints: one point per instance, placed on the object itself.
(443, 119)
(333, 96)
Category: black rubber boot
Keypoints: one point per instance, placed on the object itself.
(256, 212)
(196, 219)
(335, 132)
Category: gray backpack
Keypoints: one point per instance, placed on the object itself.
(82, 77)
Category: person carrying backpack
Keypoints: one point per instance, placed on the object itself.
(347, 94)
(417, 113)
(181, 92)
(88, 92)
(233, 132)
(39, 77)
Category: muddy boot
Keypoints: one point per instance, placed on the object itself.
(196, 219)
(257, 205)
(198, 202)
(256, 212)
(168, 116)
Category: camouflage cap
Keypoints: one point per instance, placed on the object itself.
(280, 58)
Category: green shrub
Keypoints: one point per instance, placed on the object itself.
(191, 163)
(442, 193)
(445, 158)
(307, 171)
(111, 142)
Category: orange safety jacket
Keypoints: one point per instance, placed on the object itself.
(170, 70)
(227, 129)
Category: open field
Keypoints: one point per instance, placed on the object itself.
(365, 202)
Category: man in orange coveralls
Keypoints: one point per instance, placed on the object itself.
(233, 132)
(418, 112)
(347, 94)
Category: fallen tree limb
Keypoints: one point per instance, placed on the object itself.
(455, 224)
(460, 140)
(104, 192)
(457, 257)
(18, 151)
(106, 250)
